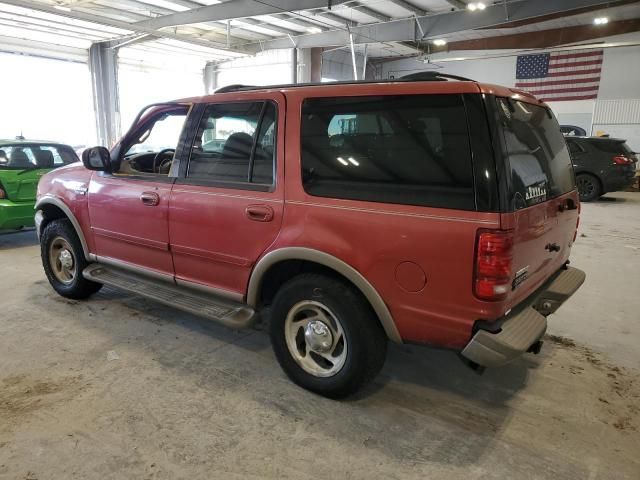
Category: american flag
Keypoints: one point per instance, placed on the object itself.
(556, 76)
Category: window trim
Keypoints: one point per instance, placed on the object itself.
(184, 179)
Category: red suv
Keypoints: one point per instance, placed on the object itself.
(428, 210)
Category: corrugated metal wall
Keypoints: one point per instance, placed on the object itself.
(617, 112)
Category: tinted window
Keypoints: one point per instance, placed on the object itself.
(618, 147)
(25, 156)
(395, 149)
(574, 148)
(537, 153)
(235, 142)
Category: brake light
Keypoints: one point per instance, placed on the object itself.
(622, 160)
(494, 255)
(3, 194)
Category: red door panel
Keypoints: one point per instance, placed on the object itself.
(214, 240)
(129, 221)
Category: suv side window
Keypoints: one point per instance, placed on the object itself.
(235, 143)
(574, 148)
(410, 149)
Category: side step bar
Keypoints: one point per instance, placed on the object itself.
(229, 313)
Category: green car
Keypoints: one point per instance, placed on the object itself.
(22, 163)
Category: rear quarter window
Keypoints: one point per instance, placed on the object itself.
(537, 155)
(410, 150)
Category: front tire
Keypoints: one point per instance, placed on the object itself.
(588, 187)
(63, 260)
(325, 335)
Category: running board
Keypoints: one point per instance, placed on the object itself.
(228, 313)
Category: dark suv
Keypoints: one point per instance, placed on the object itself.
(602, 165)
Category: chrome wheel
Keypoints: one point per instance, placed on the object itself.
(315, 339)
(62, 260)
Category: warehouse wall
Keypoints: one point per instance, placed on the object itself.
(618, 83)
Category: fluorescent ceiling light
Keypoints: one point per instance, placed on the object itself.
(439, 42)
(600, 20)
(353, 161)
(476, 6)
(61, 7)
(342, 161)
(314, 30)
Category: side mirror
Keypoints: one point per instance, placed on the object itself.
(97, 158)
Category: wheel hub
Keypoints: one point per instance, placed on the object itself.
(66, 259)
(318, 336)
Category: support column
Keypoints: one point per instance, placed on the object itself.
(103, 65)
(294, 65)
(304, 65)
(210, 75)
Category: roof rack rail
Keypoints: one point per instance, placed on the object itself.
(430, 76)
(234, 87)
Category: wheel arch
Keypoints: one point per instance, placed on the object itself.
(53, 208)
(272, 260)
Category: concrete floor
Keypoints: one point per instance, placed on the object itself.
(118, 387)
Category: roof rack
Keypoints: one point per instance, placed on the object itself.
(429, 76)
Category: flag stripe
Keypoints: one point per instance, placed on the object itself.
(593, 58)
(534, 83)
(563, 97)
(542, 91)
(582, 72)
(575, 64)
(563, 56)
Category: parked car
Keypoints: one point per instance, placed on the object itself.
(602, 165)
(421, 211)
(572, 130)
(22, 163)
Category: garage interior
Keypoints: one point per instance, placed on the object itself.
(121, 387)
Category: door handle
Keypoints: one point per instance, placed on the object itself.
(259, 213)
(150, 199)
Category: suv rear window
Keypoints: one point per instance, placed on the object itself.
(617, 147)
(537, 153)
(35, 156)
(410, 150)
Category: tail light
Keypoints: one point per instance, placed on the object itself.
(3, 194)
(622, 160)
(494, 255)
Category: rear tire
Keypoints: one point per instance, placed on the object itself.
(63, 260)
(325, 335)
(589, 187)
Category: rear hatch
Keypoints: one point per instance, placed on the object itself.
(542, 207)
(617, 152)
(20, 185)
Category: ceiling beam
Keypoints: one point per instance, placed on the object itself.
(457, 4)
(266, 26)
(409, 7)
(433, 26)
(359, 7)
(230, 10)
(131, 27)
(299, 21)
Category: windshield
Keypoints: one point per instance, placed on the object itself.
(37, 156)
(540, 163)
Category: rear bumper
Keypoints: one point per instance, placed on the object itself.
(15, 214)
(524, 327)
